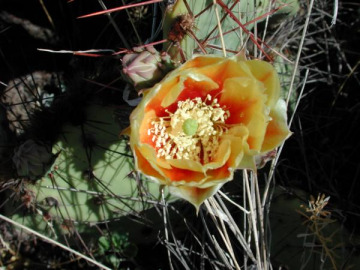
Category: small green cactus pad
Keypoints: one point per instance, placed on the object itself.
(93, 179)
(205, 25)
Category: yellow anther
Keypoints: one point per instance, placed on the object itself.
(192, 131)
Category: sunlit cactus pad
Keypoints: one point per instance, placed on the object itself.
(93, 179)
(236, 18)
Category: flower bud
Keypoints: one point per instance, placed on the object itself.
(144, 67)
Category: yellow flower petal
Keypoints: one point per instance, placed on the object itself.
(277, 130)
(146, 167)
(237, 136)
(196, 196)
(186, 164)
(126, 131)
(221, 156)
(226, 69)
(201, 61)
(150, 154)
(245, 100)
(265, 73)
(154, 96)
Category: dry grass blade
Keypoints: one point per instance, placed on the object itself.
(215, 209)
(253, 215)
(54, 242)
(166, 227)
(260, 211)
(335, 14)
(275, 160)
(291, 87)
(235, 228)
(219, 28)
(345, 82)
(232, 202)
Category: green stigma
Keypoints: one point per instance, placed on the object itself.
(190, 126)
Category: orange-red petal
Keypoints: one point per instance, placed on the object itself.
(144, 165)
(177, 174)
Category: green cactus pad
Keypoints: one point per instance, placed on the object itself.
(93, 178)
(206, 24)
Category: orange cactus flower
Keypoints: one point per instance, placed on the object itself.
(204, 120)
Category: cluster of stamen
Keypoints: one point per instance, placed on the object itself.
(192, 131)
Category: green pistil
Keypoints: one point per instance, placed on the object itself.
(190, 126)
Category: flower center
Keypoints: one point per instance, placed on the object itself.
(192, 131)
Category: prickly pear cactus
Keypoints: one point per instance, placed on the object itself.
(92, 178)
(193, 26)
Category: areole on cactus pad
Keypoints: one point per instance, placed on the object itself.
(204, 120)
